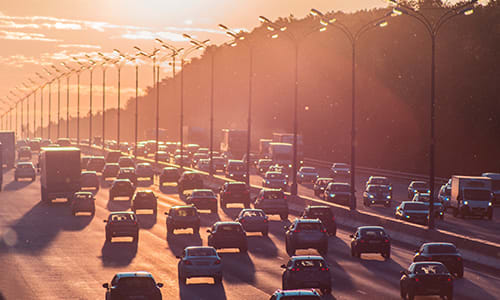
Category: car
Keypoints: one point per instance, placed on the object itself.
(191, 149)
(203, 199)
(417, 186)
(234, 192)
(140, 150)
(307, 271)
(203, 150)
(89, 180)
(84, 161)
(275, 180)
(197, 157)
(340, 169)
(426, 279)
(218, 162)
(272, 202)
(144, 199)
(324, 214)
(45, 142)
(126, 162)
(169, 175)
(227, 235)
(121, 188)
(277, 168)
(320, 186)
(199, 261)
(96, 163)
(83, 202)
(162, 156)
(110, 170)
(127, 173)
(203, 165)
(439, 209)
(377, 194)
(302, 294)
(34, 144)
(133, 285)
(120, 224)
(184, 160)
(144, 170)
(307, 174)
(182, 217)
(417, 212)
(444, 195)
(189, 181)
(305, 234)
(24, 169)
(263, 165)
(113, 156)
(253, 220)
(338, 192)
(236, 169)
(379, 180)
(124, 147)
(445, 253)
(370, 239)
(24, 153)
(63, 142)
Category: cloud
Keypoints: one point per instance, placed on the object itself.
(25, 36)
(150, 35)
(194, 29)
(79, 46)
(14, 25)
(63, 26)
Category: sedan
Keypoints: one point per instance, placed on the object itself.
(253, 220)
(133, 285)
(203, 199)
(227, 235)
(307, 174)
(199, 261)
(307, 272)
(426, 279)
(370, 239)
(445, 253)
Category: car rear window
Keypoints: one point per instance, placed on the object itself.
(309, 263)
(342, 166)
(253, 213)
(136, 283)
(186, 212)
(274, 195)
(229, 228)
(415, 206)
(379, 181)
(122, 218)
(430, 269)
(203, 194)
(441, 249)
(320, 212)
(372, 233)
(376, 189)
(25, 166)
(299, 297)
(309, 226)
(236, 187)
(480, 195)
(201, 252)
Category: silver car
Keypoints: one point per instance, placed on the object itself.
(199, 261)
(254, 220)
(25, 170)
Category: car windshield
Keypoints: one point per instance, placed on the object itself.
(340, 166)
(186, 212)
(24, 166)
(112, 167)
(479, 195)
(253, 213)
(236, 187)
(424, 197)
(447, 191)
(203, 194)
(309, 226)
(136, 283)
(340, 188)
(441, 248)
(299, 297)
(236, 167)
(309, 263)
(376, 189)
(320, 212)
(122, 217)
(373, 233)
(415, 206)
(275, 176)
(265, 163)
(379, 181)
(229, 228)
(308, 170)
(274, 195)
(430, 269)
(420, 185)
(201, 252)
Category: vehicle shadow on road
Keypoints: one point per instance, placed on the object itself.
(261, 246)
(106, 183)
(123, 204)
(233, 210)
(203, 291)
(78, 222)
(208, 219)
(178, 241)
(341, 251)
(144, 183)
(169, 189)
(17, 185)
(146, 221)
(117, 254)
(239, 265)
(464, 288)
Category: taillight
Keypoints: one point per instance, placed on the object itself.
(242, 221)
(295, 269)
(459, 258)
(217, 262)
(449, 279)
(333, 218)
(417, 280)
(361, 241)
(323, 230)
(296, 231)
(188, 262)
(386, 240)
(265, 220)
(284, 197)
(325, 269)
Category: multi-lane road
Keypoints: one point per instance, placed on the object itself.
(46, 253)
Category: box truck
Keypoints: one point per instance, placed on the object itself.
(471, 195)
(60, 172)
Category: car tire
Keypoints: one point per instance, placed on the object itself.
(34, 177)
(136, 238)
(161, 183)
(265, 233)
(155, 211)
(108, 238)
(15, 179)
(244, 249)
(73, 213)
(111, 198)
(403, 294)
(410, 295)
(290, 251)
(196, 230)
(386, 255)
(170, 230)
(182, 279)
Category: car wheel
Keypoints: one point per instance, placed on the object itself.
(403, 294)
(410, 295)
(290, 251)
(265, 233)
(161, 183)
(111, 198)
(170, 230)
(244, 249)
(223, 204)
(15, 179)
(155, 211)
(34, 177)
(182, 279)
(108, 238)
(353, 252)
(136, 238)
(386, 254)
(196, 230)
(73, 212)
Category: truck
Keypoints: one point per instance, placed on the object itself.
(471, 195)
(234, 143)
(8, 139)
(281, 154)
(60, 172)
(288, 138)
(195, 135)
(495, 186)
(264, 147)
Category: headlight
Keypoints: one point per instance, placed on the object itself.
(349, 172)
(441, 213)
(231, 175)
(371, 196)
(390, 188)
(406, 216)
(289, 166)
(388, 197)
(301, 175)
(267, 181)
(489, 204)
(466, 202)
(332, 195)
(429, 191)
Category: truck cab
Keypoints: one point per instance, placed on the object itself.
(495, 186)
(471, 196)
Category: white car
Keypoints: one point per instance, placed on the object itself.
(144, 170)
(307, 174)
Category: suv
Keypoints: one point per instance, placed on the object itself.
(128, 173)
(199, 261)
(307, 272)
(83, 202)
(169, 174)
(295, 294)
(227, 235)
(89, 180)
(234, 192)
(320, 186)
(276, 180)
(446, 253)
(144, 170)
(24, 152)
(305, 234)
(377, 194)
(370, 239)
(145, 199)
(218, 163)
(307, 174)
(122, 223)
(203, 199)
(324, 214)
(189, 181)
(254, 220)
(121, 188)
(110, 170)
(272, 202)
(181, 217)
(338, 192)
(24, 170)
(96, 163)
(236, 170)
(133, 285)
(263, 165)
(379, 180)
(417, 187)
(444, 195)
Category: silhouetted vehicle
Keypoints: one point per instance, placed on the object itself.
(254, 220)
(24, 153)
(417, 212)
(199, 261)
(341, 169)
(133, 285)
(120, 224)
(234, 192)
(370, 239)
(324, 214)
(445, 253)
(189, 181)
(168, 175)
(126, 162)
(426, 279)
(379, 180)
(197, 157)
(182, 217)
(203, 199)
(439, 209)
(89, 180)
(227, 235)
(417, 186)
(308, 294)
(128, 173)
(121, 188)
(113, 156)
(83, 202)
(60, 172)
(144, 170)
(338, 192)
(272, 202)
(96, 163)
(84, 161)
(320, 186)
(263, 165)
(275, 180)
(110, 170)
(63, 142)
(25, 170)
(307, 174)
(305, 234)
(144, 199)
(162, 156)
(236, 169)
(307, 272)
(444, 195)
(377, 194)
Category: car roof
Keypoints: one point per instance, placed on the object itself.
(236, 183)
(144, 164)
(302, 292)
(306, 257)
(145, 192)
(273, 172)
(227, 223)
(112, 164)
(251, 209)
(121, 213)
(122, 180)
(271, 190)
(24, 163)
(428, 263)
(340, 183)
(404, 202)
(84, 193)
(371, 227)
(378, 177)
(325, 178)
(307, 221)
(170, 168)
(134, 274)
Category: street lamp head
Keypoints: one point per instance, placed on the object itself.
(233, 44)
(230, 34)
(137, 48)
(283, 28)
(316, 13)
(270, 28)
(155, 51)
(467, 11)
(382, 23)
(117, 51)
(264, 19)
(323, 22)
(194, 43)
(241, 37)
(223, 27)
(393, 2)
(274, 36)
(398, 11)
(323, 29)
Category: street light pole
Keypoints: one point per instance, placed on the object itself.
(70, 70)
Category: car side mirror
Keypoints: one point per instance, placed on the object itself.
(209, 231)
(283, 266)
(105, 285)
(105, 221)
(159, 284)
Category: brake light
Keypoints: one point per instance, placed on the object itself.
(449, 279)
(323, 230)
(361, 241)
(333, 218)
(386, 240)
(459, 258)
(325, 269)
(265, 220)
(242, 221)
(417, 280)
(284, 197)
(295, 269)
(188, 262)
(217, 262)
(296, 231)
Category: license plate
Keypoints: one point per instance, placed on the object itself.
(373, 242)
(204, 263)
(311, 283)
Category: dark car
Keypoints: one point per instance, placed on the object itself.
(189, 181)
(272, 202)
(203, 199)
(122, 223)
(121, 188)
(168, 175)
(303, 294)
(439, 208)
(126, 162)
(89, 180)
(83, 202)
(263, 165)
(305, 234)
(182, 217)
(197, 157)
(24, 152)
(227, 235)
(418, 186)
(234, 192)
(84, 160)
(445, 253)
(113, 156)
(370, 239)
(377, 194)
(275, 180)
(253, 220)
(324, 214)
(426, 279)
(133, 285)
(110, 170)
(417, 212)
(307, 174)
(338, 192)
(320, 186)
(199, 261)
(341, 169)
(379, 180)
(96, 163)
(236, 169)
(144, 199)
(307, 272)
(128, 173)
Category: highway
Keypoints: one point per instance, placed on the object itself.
(46, 253)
